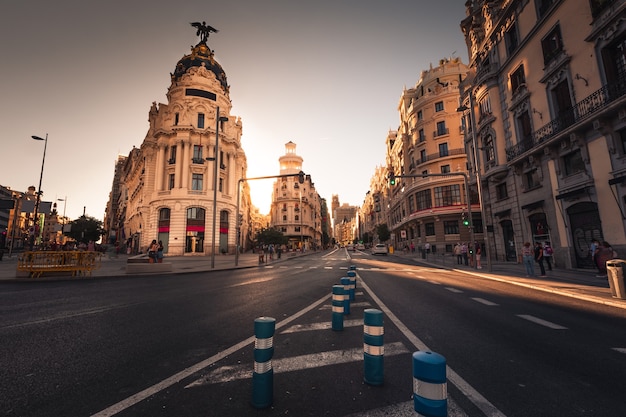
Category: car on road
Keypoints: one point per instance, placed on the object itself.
(379, 249)
(360, 246)
(350, 247)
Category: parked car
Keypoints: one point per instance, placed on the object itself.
(379, 249)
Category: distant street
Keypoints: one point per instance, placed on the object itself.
(182, 344)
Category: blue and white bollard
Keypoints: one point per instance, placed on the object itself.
(352, 276)
(345, 281)
(373, 347)
(430, 390)
(338, 297)
(263, 375)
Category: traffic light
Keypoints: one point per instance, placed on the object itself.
(464, 219)
(392, 178)
(301, 177)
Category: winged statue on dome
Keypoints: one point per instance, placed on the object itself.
(203, 30)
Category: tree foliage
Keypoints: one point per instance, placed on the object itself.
(84, 229)
(383, 232)
(271, 236)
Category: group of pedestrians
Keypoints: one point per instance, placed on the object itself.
(539, 254)
(463, 255)
(155, 252)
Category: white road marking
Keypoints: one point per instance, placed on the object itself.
(328, 267)
(185, 373)
(541, 322)
(296, 363)
(320, 326)
(485, 302)
(470, 392)
(454, 290)
(329, 306)
(620, 350)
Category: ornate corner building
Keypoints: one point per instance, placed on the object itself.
(431, 200)
(296, 206)
(181, 185)
(546, 100)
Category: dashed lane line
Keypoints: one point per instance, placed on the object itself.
(541, 322)
(320, 326)
(483, 301)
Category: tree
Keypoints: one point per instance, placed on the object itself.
(271, 236)
(383, 232)
(84, 229)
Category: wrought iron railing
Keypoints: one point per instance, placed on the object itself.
(591, 104)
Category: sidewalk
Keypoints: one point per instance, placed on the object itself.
(116, 266)
(575, 283)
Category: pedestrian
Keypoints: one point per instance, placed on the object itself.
(457, 253)
(412, 248)
(464, 253)
(604, 253)
(528, 259)
(160, 252)
(152, 251)
(547, 255)
(539, 258)
(478, 253)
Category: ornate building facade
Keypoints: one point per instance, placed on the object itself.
(430, 203)
(181, 185)
(546, 117)
(296, 206)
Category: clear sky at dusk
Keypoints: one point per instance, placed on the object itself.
(326, 75)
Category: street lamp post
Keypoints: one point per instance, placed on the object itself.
(215, 158)
(475, 163)
(64, 200)
(38, 199)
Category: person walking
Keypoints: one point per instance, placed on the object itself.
(464, 252)
(478, 253)
(528, 259)
(152, 251)
(160, 252)
(457, 253)
(539, 258)
(547, 255)
(604, 253)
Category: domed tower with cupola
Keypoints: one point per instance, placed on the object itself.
(182, 188)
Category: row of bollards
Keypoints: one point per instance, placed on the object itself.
(429, 368)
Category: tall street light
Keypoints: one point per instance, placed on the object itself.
(64, 200)
(476, 170)
(216, 160)
(38, 199)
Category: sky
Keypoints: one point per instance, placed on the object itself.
(327, 75)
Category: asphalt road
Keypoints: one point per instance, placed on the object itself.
(182, 344)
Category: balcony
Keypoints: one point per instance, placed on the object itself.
(197, 160)
(587, 107)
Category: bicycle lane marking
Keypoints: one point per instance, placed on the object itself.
(470, 392)
(185, 373)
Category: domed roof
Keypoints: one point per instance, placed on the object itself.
(201, 55)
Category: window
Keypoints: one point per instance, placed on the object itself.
(490, 152)
(501, 191)
(441, 129)
(422, 137)
(200, 120)
(451, 227)
(221, 185)
(196, 182)
(297, 229)
(411, 204)
(424, 200)
(622, 140)
(524, 129)
(296, 217)
(176, 117)
(422, 156)
(197, 154)
(484, 107)
(172, 159)
(531, 179)
(552, 45)
(511, 39)
(420, 115)
(448, 195)
(614, 60)
(429, 229)
(543, 6)
(445, 169)
(573, 163)
(518, 79)
(284, 217)
(171, 182)
(439, 106)
(443, 149)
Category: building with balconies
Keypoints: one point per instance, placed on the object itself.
(429, 200)
(546, 100)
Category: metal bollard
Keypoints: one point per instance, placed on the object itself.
(352, 276)
(373, 348)
(338, 297)
(430, 391)
(263, 375)
(345, 282)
